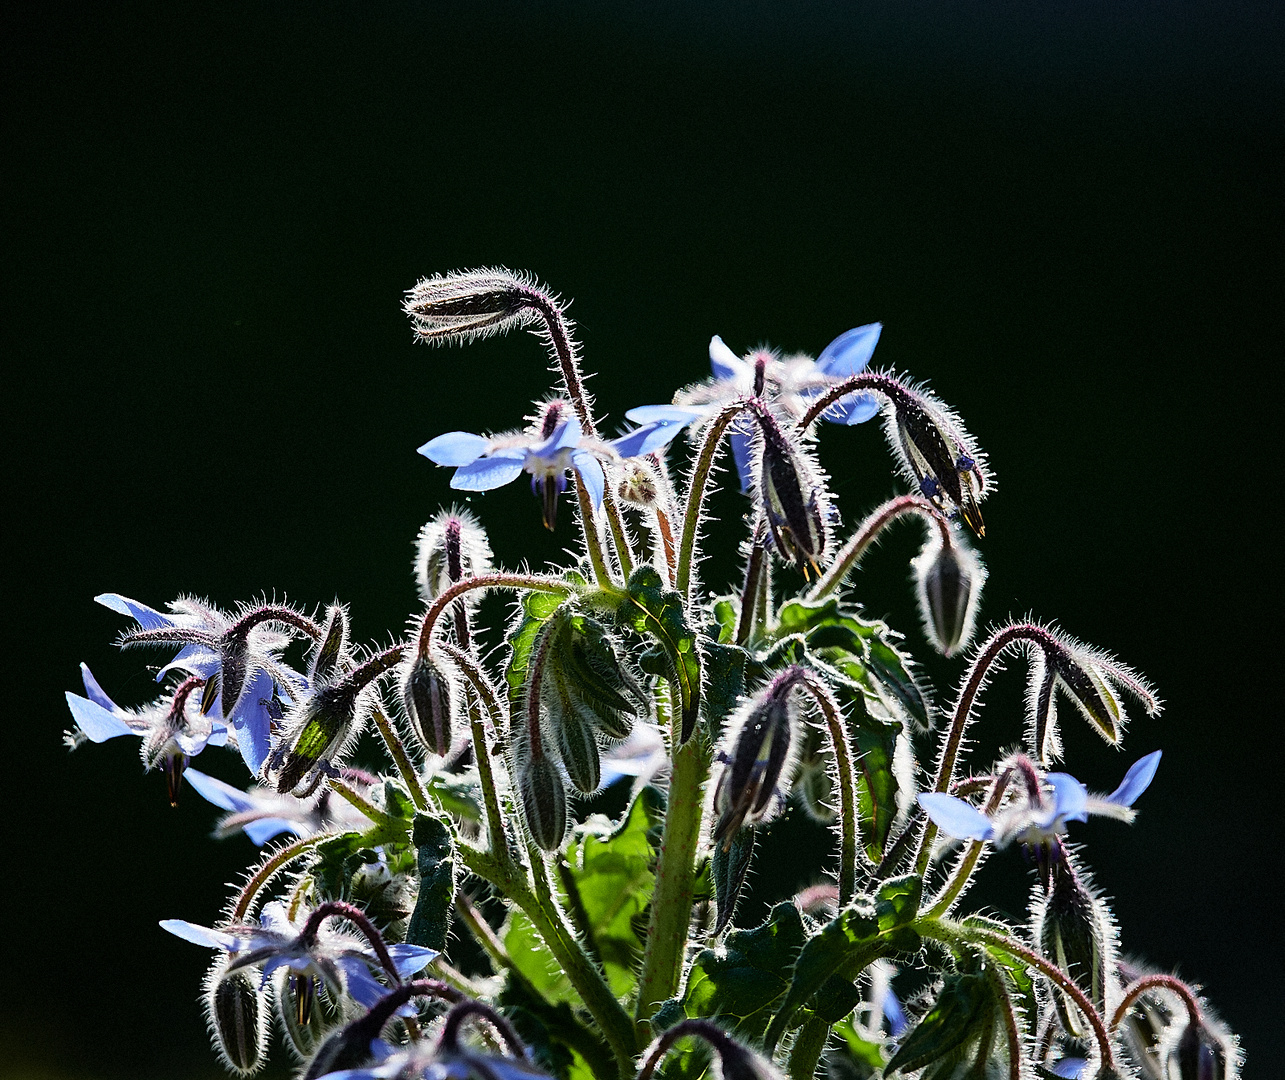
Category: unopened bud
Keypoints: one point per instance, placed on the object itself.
(759, 747)
(306, 1011)
(454, 308)
(451, 547)
(948, 580)
(544, 801)
(332, 649)
(577, 744)
(1202, 1053)
(793, 497)
(583, 662)
(813, 779)
(429, 697)
(1075, 933)
(236, 1011)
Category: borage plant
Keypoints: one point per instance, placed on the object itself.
(462, 915)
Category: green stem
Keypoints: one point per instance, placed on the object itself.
(269, 868)
(696, 492)
(808, 1045)
(671, 906)
(1012, 1035)
(592, 538)
(963, 871)
(616, 1026)
(397, 750)
(851, 552)
(847, 787)
(376, 815)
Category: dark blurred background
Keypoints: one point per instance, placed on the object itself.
(1067, 215)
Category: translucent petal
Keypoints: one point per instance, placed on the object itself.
(647, 439)
(1070, 798)
(743, 455)
(222, 795)
(859, 408)
(97, 723)
(566, 434)
(361, 985)
(591, 473)
(724, 363)
(146, 617)
(193, 742)
(956, 818)
(655, 414)
(200, 935)
(850, 352)
(251, 722)
(488, 472)
(195, 659)
(1072, 1068)
(408, 959)
(1136, 780)
(93, 691)
(264, 829)
(454, 448)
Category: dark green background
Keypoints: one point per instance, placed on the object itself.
(1068, 216)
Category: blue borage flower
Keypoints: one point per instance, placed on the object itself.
(173, 731)
(420, 1061)
(341, 960)
(261, 813)
(1039, 819)
(548, 450)
(196, 629)
(789, 384)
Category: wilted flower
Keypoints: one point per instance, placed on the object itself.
(238, 659)
(547, 451)
(1041, 817)
(173, 731)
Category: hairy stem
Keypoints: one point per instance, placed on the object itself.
(531, 582)
(847, 786)
(963, 871)
(592, 539)
(868, 531)
(807, 1048)
(1157, 982)
(397, 751)
(269, 868)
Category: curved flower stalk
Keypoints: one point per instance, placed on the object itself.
(610, 924)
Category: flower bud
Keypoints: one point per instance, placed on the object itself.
(1201, 1053)
(236, 1013)
(451, 547)
(948, 583)
(638, 486)
(759, 747)
(306, 1010)
(577, 744)
(583, 661)
(544, 801)
(1075, 932)
(429, 696)
(454, 308)
(793, 497)
(332, 650)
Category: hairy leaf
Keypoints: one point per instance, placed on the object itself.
(656, 612)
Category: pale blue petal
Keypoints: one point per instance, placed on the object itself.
(200, 935)
(219, 736)
(725, 364)
(264, 829)
(192, 743)
(566, 434)
(251, 722)
(590, 471)
(454, 448)
(195, 660)
(850, 352)
(488, 472)
(93, 691)
(1070, 798)
(1071, 1068)
(360, 984)
(1136, 780)
(657, 414)
(743, 455)
(97, 723)
(646, 439)
(859, 408)
(222, 795)
(146, 617)
(956, 818)
(895, 1014)
(408, 959)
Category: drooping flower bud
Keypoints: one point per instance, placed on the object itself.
(236, 1012)
(1202, 1052)
(451, 308)
(948, 583)
(430, 696)
(306, 1010)
(793, 497)
(584, 669)
(332, 650)
(757, 750)
(1075, 931)
(544, 801)
(451, 547)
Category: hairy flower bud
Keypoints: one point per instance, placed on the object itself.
(544, 801)
(306, 1010)
(451, 308)
(451, 547)
(1201, 1053)
(1075, 932)
(429, 696)
(793, 497)
(237, 1016)
(758, 748)
(332, 650)
(948, 582)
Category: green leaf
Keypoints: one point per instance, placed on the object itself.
(724, 629)
(654, 611)
(893, 670)
(534, 961)
(435, 857)
(1014, 971)
(874, 743)
(962, 1013)
(558, 1041)
(728, 870)
(612, 876)
(836, 999)
(727, 667)
(865, 930)
(742, 982)
(459, 794)
(536, 609)
(866, 1056)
